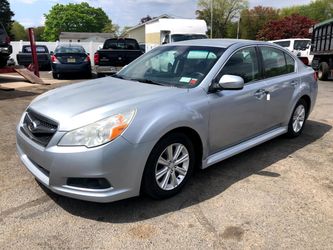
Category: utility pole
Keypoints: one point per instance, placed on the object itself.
(211, 18)
(239, 19)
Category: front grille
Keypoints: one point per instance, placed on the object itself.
(38, 128)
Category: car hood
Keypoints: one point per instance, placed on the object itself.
(79, 104)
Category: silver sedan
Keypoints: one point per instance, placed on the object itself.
(180, 106)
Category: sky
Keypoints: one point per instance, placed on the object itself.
(125, 12)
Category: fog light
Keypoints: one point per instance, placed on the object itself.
(90, 183)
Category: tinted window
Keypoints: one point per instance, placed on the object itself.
(127, 44)
(301, 44)
(283, 43)
(69, 49)
(39, 49)
(290, 63)
(274, 62)
(177, 38)
(243, 63)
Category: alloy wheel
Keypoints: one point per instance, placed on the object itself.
(298, 118)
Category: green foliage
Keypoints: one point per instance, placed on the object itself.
(224, 11)
(18, 32)
(74, 18)
(6, 15)
(253, 20)
(319, 10)
(39, 32)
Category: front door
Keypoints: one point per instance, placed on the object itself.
(237, 115)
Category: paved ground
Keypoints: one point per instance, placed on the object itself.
(276, 196)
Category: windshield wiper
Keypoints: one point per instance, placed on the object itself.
(149, 81)
(118, 76)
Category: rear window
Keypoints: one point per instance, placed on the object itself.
(127, 44)
(283, 43)
(70, 49)
(39, 49)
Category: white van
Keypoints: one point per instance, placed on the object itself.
(301, 47)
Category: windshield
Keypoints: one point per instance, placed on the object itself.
(182, 37)
(180, 66)
(302, 44)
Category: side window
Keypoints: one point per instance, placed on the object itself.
(274, 62)
(290, 63)
(243, 63)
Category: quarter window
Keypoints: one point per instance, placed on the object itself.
(243, 63)
(290, 63)
(274, 61)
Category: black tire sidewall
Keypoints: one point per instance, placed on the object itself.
(291, 133)
(324, 68)
(149, 184)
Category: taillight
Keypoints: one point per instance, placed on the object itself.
(54, 59)
(7, 39)
(305, 60)
(87, 59)
(315, 75)
(96, 58)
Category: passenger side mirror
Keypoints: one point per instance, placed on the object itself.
(228, 82)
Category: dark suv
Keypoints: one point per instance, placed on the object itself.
(5, 47)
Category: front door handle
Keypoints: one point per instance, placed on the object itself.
(260, 93)
(293, 83)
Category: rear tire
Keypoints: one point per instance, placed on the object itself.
(298, 119)
(3, 61)
(169, 166)
(323, 71)
(55, 75)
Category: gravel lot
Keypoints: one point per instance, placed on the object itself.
(276, 196)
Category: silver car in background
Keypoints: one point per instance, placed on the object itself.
(180, 106)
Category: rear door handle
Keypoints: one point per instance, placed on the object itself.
(293, 83)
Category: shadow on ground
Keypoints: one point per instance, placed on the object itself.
(205, 184)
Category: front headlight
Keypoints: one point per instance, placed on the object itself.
(100, 132)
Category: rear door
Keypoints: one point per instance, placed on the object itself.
(281, 80)
(3, 35)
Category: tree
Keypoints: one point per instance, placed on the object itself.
(224, 11)
(18, 32)
(6, 15)
(39, 32)
(253, 20)
(74, 18)
(319, 10)
(294, 26)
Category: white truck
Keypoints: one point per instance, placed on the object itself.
(301, 47)
(166, 30)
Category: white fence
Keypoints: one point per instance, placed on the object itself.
(90, 47)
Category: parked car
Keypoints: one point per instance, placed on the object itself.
(301, 47)
(116, 53)
(322, 49)
(5, 47)
(179, 106)
(70, 59)
(24, 57)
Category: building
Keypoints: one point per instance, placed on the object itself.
(84, 37)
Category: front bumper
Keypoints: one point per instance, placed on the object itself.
(119, 162)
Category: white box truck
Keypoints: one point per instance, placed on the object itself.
(167, 30)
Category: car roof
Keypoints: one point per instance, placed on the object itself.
(222, 43)
(69, 46)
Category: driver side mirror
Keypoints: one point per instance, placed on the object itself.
(228, 82)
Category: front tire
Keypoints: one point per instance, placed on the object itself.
(169, 166)
(298, 119)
